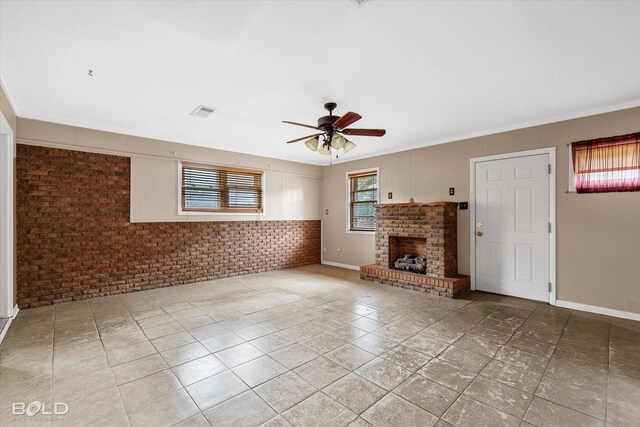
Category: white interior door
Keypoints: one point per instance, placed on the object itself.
(512, 226)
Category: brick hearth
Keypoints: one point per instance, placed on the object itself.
(425, 229)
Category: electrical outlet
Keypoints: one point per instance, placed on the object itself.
(464, 206)
(326, 211)
(452, 191)
(390, 195)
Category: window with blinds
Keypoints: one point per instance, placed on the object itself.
(208, 188)
(363, 197)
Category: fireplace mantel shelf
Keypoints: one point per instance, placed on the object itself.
(409, 204)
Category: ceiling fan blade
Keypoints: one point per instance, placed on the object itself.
(347, 120)
(364, 132)
(304, 137)
(301, 124)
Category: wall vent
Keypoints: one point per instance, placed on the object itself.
(202, 111)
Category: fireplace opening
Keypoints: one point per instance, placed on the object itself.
(408, 254)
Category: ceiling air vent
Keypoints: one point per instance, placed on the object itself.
(202, 111)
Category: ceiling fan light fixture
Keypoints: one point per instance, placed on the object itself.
(338, 141)
(312, 143)
(324, 149)
(348, 146)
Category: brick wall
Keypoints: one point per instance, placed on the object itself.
(75, 241)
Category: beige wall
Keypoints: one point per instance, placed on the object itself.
(598, 235)
(292, 190)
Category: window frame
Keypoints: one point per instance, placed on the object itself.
(375, 170)
(220, 211)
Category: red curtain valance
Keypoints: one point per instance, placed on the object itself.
(607, 164)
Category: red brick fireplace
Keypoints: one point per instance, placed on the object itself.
(425, 229)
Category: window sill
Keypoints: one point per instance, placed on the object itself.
(360, 232)
(205, 213)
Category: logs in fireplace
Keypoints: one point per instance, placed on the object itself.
(413, 263)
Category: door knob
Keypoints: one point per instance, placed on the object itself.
(479, 233)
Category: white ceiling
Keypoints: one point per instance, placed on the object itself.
(428, 72)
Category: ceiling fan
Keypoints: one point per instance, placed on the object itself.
(332, 128)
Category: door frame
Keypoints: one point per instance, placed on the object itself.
(7, 158)
(551, 152)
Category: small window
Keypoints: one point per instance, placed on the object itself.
(208, 188)
(606, 165)
(363, 197)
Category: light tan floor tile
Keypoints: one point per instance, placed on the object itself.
(196, 322)
(374, 344)
(198, 420)
(448, 375)
(161, 409)
(283, 392)
(321, 372)
(427, 345)
(138, 368)
(472, 362)
(355, 392)
(575, 387)
(259, 370)
(238, 354)
(293, 355)
(541, 412)
(246, 409)
(469, 412)
(96, 408)
(511, 375)
(221, 341)
(172, 341)
(159, 383)
(395, 411)
(497, 395)
(406, 357)
(206, 331)
(122, 355)
(319, 410)
(276, 421)
(216, 389)
(322, 343)
(179, 355)
(350, 356)
(82, 385)
(272, 342)
(366, 324)
(427, 394)
(255, 331)
(163, 330)
(384, 373)
(198, 369)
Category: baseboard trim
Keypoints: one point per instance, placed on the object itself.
(4, 331)
(598, 310)
(337, 264)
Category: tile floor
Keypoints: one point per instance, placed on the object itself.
(316, 346)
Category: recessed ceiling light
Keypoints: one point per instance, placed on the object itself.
(202, 111)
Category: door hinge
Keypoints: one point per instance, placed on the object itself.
(549, 227)
(549, 287)
(549, 168)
